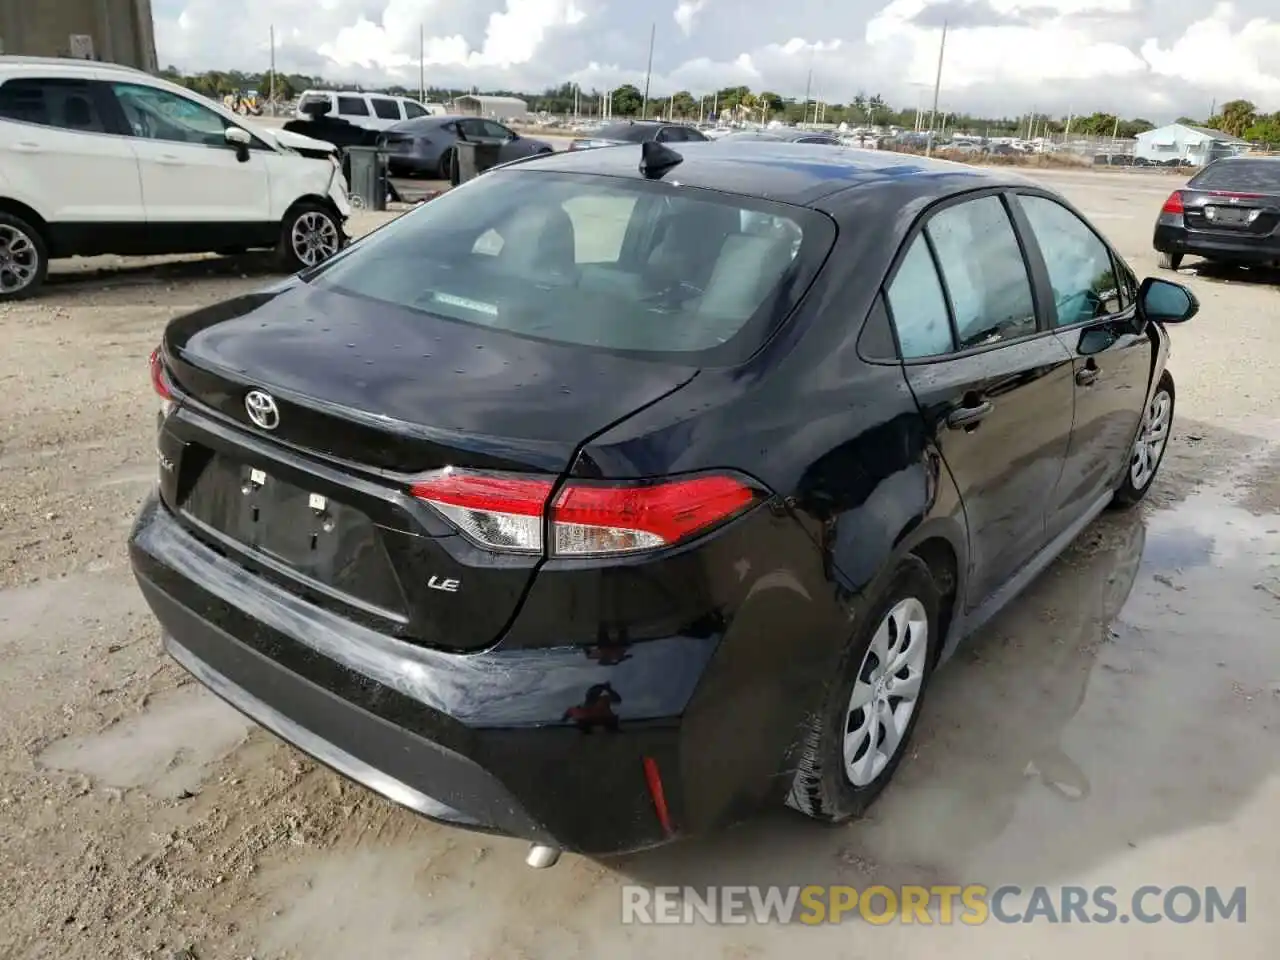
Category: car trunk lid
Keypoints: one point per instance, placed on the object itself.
(364, 397)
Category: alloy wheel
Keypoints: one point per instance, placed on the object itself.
(1153, 434)
(886, 692)
(19, 259)
(315, 238)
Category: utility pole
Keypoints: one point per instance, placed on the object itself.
(808, 86)
(271, 95)
(422, 63)
(937, 87)
(648, 73)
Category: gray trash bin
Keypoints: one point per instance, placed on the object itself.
(367, 179)
(470, 159)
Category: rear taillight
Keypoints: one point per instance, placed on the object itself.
(513, 514)
(159, 380)
(1174, 203)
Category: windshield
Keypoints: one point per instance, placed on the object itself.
(1260, 175)
(596, 261)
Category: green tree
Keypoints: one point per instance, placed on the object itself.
(1265, 130)
(627, 101)
(684, 105)
(1235, 117)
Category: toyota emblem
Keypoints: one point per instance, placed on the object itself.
(262, 409)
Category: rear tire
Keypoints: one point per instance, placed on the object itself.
(445, 169)
(844, 759)
(1149, 446)
(24, 258)
(1169, 261)
(310, 234)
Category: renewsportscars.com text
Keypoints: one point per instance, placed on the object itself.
(972, 905)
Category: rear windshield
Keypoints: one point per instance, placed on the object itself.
(1261, 175)
(602, 262)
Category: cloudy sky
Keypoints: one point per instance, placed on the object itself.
(1154, 58)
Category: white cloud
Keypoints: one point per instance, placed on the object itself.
(1002, 55)
(686, 14)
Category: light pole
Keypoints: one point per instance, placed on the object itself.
(937, 86)
(648, 73)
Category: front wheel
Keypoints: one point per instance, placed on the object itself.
(310, 234)
(1169, 261)
(24, 259)
(1149, 445)
(859, 734)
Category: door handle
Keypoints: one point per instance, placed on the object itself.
(963, 418)
(26, 146)
(1087, 374)
(169, 160)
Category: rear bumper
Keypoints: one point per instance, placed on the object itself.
(521, 743)
(1172, 236)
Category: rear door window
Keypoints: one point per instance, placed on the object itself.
(53, 102)
(385, 108)
(1262, 176)
(597, 262)
(984, 271)
(353, 106)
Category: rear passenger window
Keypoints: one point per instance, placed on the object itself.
(918, 306)
(353, 106)
(1081, 272)
(412, 109)
(985, 272)
(386, 109)
(68, 104)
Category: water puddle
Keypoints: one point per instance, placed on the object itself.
(164, 750)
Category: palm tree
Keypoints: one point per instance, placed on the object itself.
(860, 104)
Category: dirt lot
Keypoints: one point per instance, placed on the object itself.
(1117, 725)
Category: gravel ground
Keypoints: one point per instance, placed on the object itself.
(1138, 679)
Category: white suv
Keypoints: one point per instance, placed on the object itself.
(97, 158)
(373, 111)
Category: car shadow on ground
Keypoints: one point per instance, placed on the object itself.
(117, 271)
(1049, 739)
(1230, 273)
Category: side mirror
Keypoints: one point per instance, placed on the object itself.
(240, 139)
(1164, 301)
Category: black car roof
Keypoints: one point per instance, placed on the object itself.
(780, 170)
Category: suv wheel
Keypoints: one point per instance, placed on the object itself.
(24, 260)
(310, 234)
(1169, 261)
(860, 732)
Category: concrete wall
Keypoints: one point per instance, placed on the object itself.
(122, 30)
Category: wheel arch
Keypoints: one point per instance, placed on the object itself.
(19, 209)
(313, 199)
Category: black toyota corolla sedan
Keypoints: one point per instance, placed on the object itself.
(618, 494)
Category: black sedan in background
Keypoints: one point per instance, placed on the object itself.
(1229, 212)
(424, 146)
(639, 131)
(781, 136)
(622, 493)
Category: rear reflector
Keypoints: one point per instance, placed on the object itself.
(1174, 203)
(509, 513)
(653, 779)
(159, 382)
